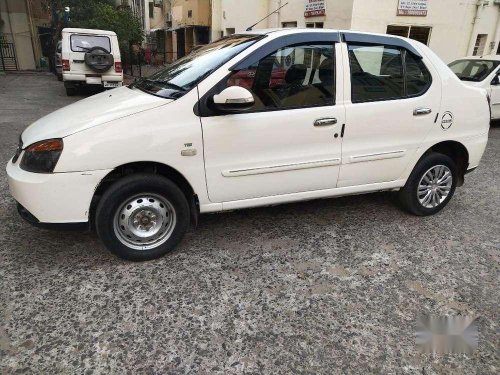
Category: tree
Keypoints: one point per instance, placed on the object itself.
(96, 14)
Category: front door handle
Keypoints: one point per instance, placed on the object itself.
(421, 111)
(325, 121)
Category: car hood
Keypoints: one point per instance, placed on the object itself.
(93, 111)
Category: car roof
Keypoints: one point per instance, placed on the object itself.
(88, 31)
(297, 30)
(483, 57)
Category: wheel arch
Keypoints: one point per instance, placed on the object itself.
(457, 152)
(146, 167)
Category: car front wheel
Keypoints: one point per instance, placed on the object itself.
(430, 186)
(142, 217)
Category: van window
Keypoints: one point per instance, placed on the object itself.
(82, 43)
(295, 76)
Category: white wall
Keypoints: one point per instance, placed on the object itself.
(451, 22)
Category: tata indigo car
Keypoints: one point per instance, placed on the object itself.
(319, 114)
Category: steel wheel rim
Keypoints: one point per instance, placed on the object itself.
(145, 221)
(435, 186)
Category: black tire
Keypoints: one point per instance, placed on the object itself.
(71, 91)
(129, 187)
(99, 59)
(408, 195)
(59, 77)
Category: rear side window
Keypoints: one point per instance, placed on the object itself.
(418, 78)
(82, 43)
(381, 72)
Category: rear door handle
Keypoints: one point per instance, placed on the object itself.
(325, 121)
(421, 111)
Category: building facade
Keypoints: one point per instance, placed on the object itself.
(451, 28)
(24, 34)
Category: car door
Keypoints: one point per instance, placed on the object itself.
(394, 100)
(288, 142)
(495, 96)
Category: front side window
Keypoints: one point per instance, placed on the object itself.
(381, 72)
(181, 76)
(473, 70)
(82, 43)
(295, 76)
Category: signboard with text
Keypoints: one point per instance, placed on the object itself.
(413, 8)
(315, 8)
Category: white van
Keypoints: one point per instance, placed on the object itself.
(90, 57)
(253, 119)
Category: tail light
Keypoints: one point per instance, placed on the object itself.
(65, 65)
(118, 66)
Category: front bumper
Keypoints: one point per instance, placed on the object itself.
(54, 197)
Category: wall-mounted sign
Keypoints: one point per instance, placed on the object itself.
(315, 8)
(413, 8)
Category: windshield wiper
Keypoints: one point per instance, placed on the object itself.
(85, 48)
(168, 84)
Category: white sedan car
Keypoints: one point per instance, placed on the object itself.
(253, 119)
(484, 72)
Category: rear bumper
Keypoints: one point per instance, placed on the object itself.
(54, 197)
(81, 78)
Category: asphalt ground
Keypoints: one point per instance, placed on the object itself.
(324, 287)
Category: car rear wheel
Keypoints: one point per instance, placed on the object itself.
(430, 186)
(142, 217)
(71, 90)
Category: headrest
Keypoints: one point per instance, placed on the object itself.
(296, 73)
(325, 71)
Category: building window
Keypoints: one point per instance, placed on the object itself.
(151, 10)
(480, 44)
(190, 13)
(230, 31)
(289, 24)
(418, 33)
(314, 25)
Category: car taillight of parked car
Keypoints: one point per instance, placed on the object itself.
(65, 65)
(118, 66)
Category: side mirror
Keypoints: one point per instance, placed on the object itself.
(496, 81)
(233, 99)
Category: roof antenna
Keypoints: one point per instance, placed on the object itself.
(251, 27)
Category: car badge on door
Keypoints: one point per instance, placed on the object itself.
(447, 120)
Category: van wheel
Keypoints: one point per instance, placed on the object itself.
(142, 217)
(430, 186)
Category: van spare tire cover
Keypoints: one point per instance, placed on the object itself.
(99, 59)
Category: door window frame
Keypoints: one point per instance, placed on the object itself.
(202, 107)
(386, 41)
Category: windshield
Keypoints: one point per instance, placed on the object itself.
(473, 70)
(182, 75)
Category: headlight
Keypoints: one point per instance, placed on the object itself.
(42, 157)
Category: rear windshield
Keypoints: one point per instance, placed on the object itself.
(82, 43)
(473, 70)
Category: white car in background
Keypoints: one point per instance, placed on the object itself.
(254, 119)
(90, 57)
(484, 72)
